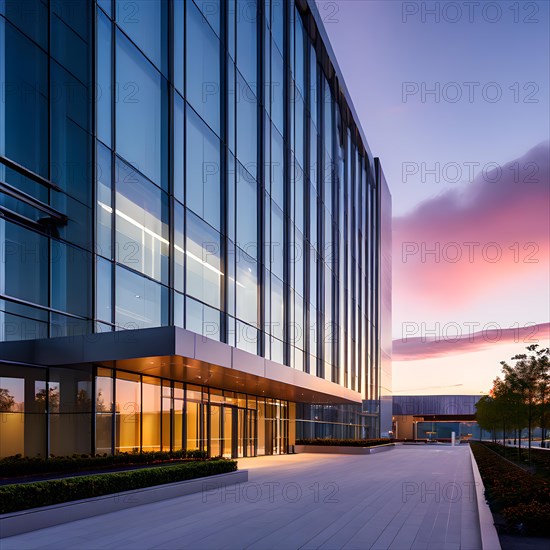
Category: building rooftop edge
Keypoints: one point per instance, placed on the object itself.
(312, 7)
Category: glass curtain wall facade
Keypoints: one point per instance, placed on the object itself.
(192, 164)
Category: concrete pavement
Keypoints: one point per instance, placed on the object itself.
(413, 497)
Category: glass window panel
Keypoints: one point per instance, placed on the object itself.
(247, 213)
(193, 425)
(277, 308)
(22, 322)
(74, 13)
(247, 288)
(231, 27)
(104, 86)
(128, 410)
(106, 5)
(277, 22)
(313, 85)
(277, 351)
(68, 48)
(141, 223)
(203, 67)
(299, 125)
(104, 211)
(211, 11)
(277, 89)
(179, 318)
(179, 147)
(63, 325)
(24, 391)
(31, 20)
(71, 279)
(247, 338)
(24, 272)
(141, 112)
(247, 122)
(103, 290)
(179, 44)
(231, 197)
(297, 258)
(78, 227)
(23, 116)
(247, 46)
(277, 240)
(70, 141)
(140, 302)
(203, 170)
(150, 410)
(145, 22)
(179, 247)
(104, 412)
(232, 95)
(203, 261)
(202, 319)
(277, 167)
(231, 278)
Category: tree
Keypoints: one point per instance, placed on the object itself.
(7, 401)
(486, 414)
(529, 380)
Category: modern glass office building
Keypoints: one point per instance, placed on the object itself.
(194, 232)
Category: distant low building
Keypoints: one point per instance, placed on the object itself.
(435, 416)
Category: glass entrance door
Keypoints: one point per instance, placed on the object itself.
(215, 430)
(251, 433)
(241, 425)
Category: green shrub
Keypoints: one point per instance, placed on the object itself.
(344, 442)
(18, 465)
(23, 496)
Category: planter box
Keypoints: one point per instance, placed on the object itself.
(342, 450)
(24, 521)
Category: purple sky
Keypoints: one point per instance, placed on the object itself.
(467, 163)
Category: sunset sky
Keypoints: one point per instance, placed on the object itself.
(468, 168)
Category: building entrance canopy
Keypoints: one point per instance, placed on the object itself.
(178, 354)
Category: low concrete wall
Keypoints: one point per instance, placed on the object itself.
(24, 521)
(489, 536)
(342, 450)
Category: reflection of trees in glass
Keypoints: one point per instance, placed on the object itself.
(83, 401)
(100, 402)
(7, 401)
(53, 399)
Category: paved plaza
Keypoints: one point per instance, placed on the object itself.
(417, 497)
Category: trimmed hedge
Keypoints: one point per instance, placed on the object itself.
(14, 466)
(522, 498)
(23, 496)
(344, 442)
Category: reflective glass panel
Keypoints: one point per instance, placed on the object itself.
(203, 67)
(145, 22)
(247, 213)
(247, 288)
(140, 302)
(23, 116)
(247, 47)
(203, 170)
(203, 261)
(141, 112)
(141, 223)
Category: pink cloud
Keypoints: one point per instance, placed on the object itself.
(422, 347)
(485, 235)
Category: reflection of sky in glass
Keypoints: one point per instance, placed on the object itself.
(15, 388)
